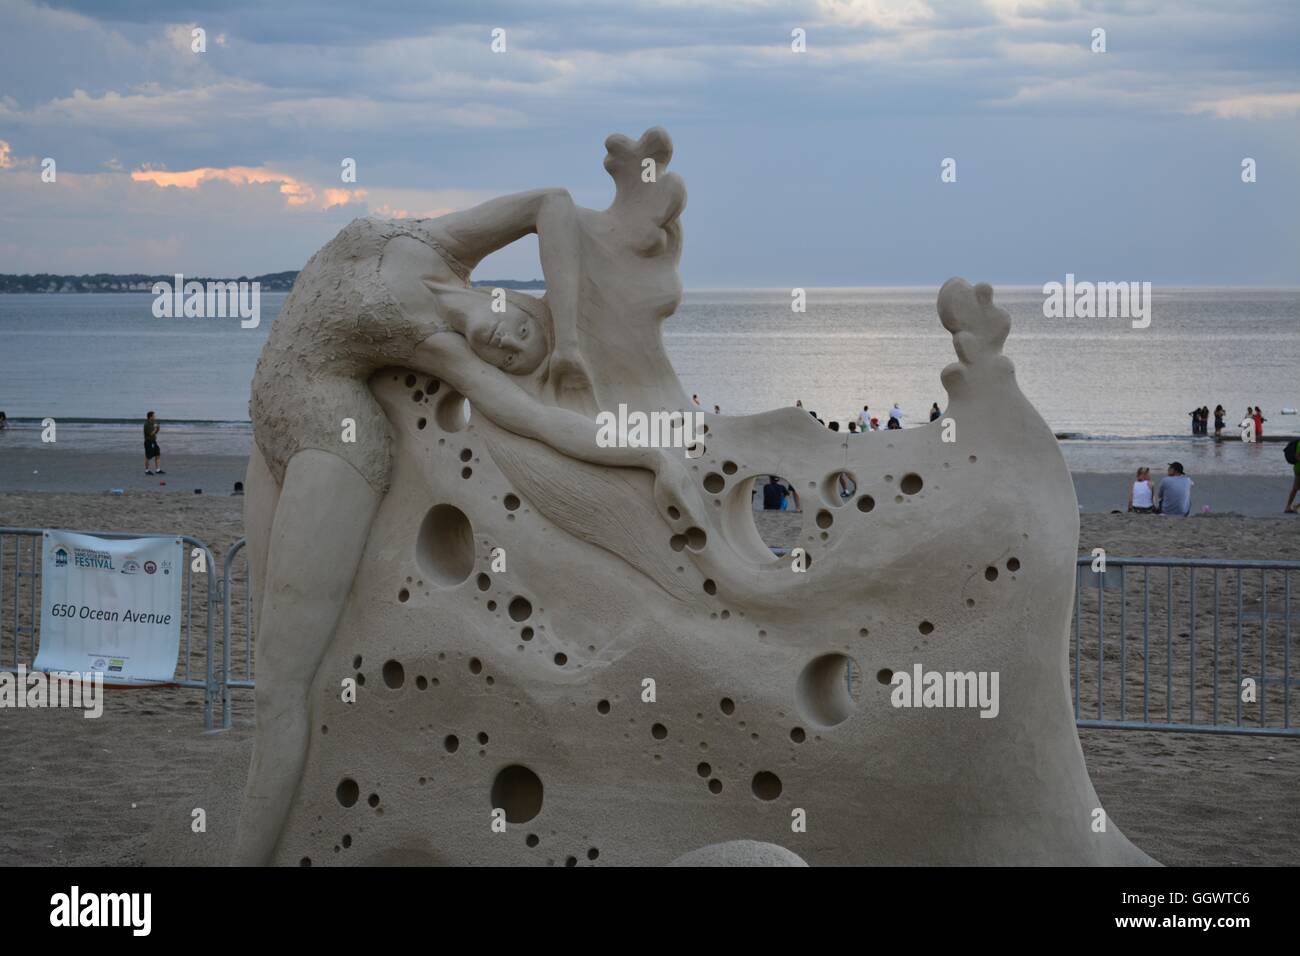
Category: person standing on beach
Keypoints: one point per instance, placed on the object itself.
(1195, 413)
(1259, 420)
(1294, 460)
(1176, 492)
(1219, 414)
(4, 422)
(774, 494)
(864, 419)
(151, 449)
(934, 411)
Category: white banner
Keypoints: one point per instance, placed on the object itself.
(111, 605)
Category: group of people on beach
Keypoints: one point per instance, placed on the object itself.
(864, 421)
(1254, 418)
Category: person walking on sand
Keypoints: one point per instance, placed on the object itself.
(1219, 415)
(864, 419)
(1141, 497)
(1176, 492)
(151, 449)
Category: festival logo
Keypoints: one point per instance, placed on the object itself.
(150, 567)
(60, 557)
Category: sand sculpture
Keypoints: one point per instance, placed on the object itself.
(569, 654)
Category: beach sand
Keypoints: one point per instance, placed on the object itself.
(56, 468)
(92, 792)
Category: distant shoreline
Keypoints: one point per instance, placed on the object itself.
(50, 284)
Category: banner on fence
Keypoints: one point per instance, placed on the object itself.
(111, 605)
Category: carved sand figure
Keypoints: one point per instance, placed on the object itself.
(580, 658)
(380, 294)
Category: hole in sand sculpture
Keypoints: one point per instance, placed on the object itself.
(866, 503)
(766, 785)
(714, 482)
(884, 675)
(444, 546)
(774, 510)
(829, 688)
(729, 468)
(452, 411)
(394, 674)
(348, 792)
(839, 487)
(517, 791)
(520, 609)
(1013, 564)
(990, 573)
(511, 502)
(910, 484)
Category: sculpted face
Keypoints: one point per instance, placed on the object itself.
(512, 340)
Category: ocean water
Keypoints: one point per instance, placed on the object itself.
(92, 360)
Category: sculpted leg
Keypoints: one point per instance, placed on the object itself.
(319, 531)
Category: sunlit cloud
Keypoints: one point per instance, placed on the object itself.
(1256, 106)
(295, 191)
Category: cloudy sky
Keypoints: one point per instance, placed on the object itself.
(804, 169)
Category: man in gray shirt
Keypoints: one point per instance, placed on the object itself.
(1176, 492)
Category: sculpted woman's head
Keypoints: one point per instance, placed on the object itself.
(516, 340)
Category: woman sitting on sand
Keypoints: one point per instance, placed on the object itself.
(1141, 496)
(387, 293)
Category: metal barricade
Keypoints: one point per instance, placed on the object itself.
(229, 618)
(1218, 668)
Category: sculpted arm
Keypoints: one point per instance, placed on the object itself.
(447, 356)
(475, 233)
